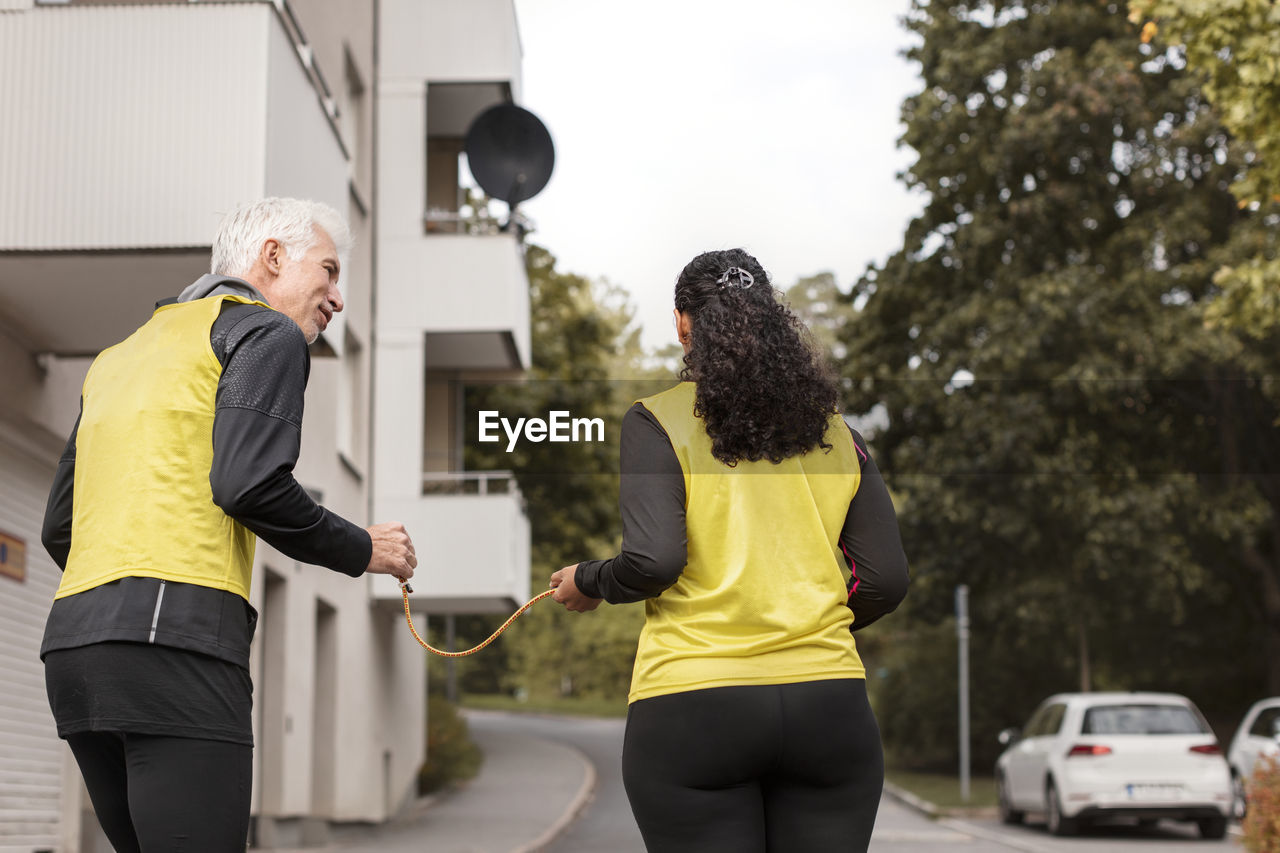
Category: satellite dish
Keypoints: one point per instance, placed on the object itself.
(510, 153)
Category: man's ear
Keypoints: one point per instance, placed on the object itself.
(271, 255)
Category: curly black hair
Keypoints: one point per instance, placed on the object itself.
(764, 390)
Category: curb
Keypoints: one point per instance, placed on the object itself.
(586, 791)
(931, 811)
(911, 801)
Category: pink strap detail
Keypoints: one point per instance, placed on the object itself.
(853, 567)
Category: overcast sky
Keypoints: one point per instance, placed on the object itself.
(707, 124)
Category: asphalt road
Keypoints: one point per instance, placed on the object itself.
(606, 825)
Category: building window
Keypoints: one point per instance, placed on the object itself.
(444, 191)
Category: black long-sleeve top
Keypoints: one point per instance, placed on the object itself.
(256, 442)
(652, 500)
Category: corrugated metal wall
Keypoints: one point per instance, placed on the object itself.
(129, 126)
(30, 753)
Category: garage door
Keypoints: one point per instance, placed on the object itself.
(30, 753)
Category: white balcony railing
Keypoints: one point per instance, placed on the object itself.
(458, 284)
(470, 483)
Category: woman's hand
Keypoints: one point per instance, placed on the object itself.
(568, 594)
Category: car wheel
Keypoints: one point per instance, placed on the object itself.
(1008, 814)
(1057, 823)
(1213, 827)
(1239, 800)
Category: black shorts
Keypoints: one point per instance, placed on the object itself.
(164, 741)
(148, 689)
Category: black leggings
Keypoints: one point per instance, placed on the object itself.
(167, 794)
(789, 768)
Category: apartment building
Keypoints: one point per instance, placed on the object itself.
(128, 129)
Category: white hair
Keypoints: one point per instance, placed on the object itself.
(291, 221)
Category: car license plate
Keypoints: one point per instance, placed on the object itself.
(1149, 793)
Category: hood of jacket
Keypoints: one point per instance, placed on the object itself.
(217, 285)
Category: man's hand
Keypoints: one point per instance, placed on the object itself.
(568, 594)
(393, 552)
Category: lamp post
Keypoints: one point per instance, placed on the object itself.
(962, 636)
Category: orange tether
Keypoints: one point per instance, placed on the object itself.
(405, 589)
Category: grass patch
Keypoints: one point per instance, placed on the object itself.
(568, 705)
(943, 789)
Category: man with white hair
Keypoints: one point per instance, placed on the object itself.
(183, 453)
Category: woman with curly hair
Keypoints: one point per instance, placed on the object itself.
(742, 492)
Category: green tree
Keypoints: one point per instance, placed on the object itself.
(819, 302)
(1235, 45)
(1059, 411)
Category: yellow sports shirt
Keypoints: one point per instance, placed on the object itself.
(143, 505)
(762, 597)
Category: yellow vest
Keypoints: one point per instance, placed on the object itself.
(143, 505)
(762, 596)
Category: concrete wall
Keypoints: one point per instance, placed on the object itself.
(471, 41)
(456, 283)
(106, 111)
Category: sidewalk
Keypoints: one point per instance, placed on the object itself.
(527, 792)
(901, 795)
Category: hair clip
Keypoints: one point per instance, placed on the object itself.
(745, 279)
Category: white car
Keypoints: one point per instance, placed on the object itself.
(1258, 735)
(1090, 757)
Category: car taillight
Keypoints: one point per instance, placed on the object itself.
(1207, 749)
(1088, 749)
